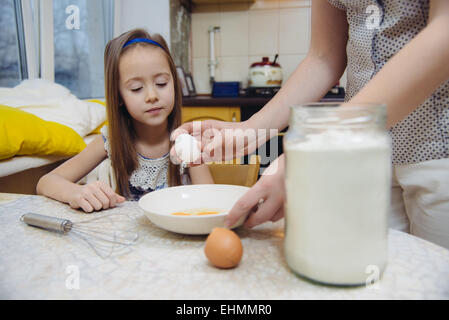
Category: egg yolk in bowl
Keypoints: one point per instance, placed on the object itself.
(197, 212)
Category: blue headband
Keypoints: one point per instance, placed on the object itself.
(143, 40)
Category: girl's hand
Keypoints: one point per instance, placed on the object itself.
(93, 197)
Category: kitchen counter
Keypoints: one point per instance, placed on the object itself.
(200, 101)
(38, 264)
(242, 101)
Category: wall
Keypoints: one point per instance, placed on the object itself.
(170, 18)
(153, 15)
(248, 32)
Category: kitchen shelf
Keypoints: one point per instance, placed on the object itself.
(201, 2)
(234, 101)
(241, 101)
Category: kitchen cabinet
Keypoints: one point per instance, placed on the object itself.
(199, 113)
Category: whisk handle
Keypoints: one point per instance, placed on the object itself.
(47, 222)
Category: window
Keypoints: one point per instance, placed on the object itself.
(64, 41)
(81, 30)
(12, 68)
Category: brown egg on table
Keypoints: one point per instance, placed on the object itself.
(223, 248)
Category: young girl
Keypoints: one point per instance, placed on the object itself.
(143, 99)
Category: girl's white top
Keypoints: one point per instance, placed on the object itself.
(378, 30)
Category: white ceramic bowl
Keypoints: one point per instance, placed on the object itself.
(160, 205)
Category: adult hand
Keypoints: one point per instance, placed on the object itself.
(219, 140)
(264, 201)
(94, 196)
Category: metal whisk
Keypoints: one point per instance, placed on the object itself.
(106, 235)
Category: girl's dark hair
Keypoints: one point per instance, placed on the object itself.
(121, 137)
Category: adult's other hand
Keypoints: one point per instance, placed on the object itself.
(265, 200)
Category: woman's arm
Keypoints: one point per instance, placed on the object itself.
(416, 71)
(322, 68)
(60, 184)
(201, 175)
(312, 79)
(316, 74)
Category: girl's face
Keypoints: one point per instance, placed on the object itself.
(146, 85)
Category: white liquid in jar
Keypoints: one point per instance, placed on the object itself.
(338, 193)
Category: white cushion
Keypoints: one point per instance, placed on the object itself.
(53, 102)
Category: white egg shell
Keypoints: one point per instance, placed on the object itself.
(186, 148)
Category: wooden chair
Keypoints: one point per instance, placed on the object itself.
(232, 172)
(226, 172)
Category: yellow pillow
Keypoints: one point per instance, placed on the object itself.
(97, 130)
(22, 133)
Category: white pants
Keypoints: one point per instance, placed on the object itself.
(420, 200)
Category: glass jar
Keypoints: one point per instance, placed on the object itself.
(337, 179)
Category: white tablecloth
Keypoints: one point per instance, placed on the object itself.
(37, 264)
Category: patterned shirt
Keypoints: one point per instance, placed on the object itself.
(424, 134)
(151, 174)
